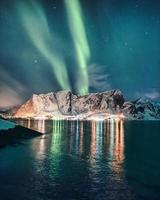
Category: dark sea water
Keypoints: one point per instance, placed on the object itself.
(112, 160)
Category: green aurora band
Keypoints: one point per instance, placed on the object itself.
(77, 29)
(35, 23)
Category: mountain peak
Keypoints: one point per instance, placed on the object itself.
(65, 104)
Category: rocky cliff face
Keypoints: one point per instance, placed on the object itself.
(38, 105)
(67, 105)
(146, 109)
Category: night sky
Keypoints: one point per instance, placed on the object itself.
(79, 45)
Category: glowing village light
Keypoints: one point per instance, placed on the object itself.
(107, 116)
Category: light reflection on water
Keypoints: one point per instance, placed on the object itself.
(94, 159)
(103, 136)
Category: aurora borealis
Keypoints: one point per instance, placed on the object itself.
(79, 45)
(35, 23)
(80, 42)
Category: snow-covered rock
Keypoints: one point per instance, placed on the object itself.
(146, 109)
(64, 104)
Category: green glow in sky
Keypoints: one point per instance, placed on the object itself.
(77, 29)
(35, 23)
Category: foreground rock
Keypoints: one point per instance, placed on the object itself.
(12, 134)
(104, 105)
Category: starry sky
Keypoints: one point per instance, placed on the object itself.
(79, 45)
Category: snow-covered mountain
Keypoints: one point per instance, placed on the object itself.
(64, 104)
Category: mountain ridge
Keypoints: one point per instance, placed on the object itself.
(103, 105)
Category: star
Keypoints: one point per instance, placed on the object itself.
(126, 44)
(137, 6)
(35, 61)
(146, 33)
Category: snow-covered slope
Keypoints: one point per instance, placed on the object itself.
(64, 104)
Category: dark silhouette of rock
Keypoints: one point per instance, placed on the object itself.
(16, 135)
